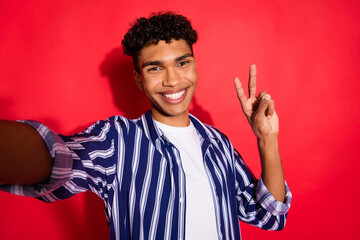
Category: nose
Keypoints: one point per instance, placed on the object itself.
(172, 78)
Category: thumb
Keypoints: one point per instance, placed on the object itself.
(264, 104)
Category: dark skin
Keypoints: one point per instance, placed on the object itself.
(25, 158)
(261, 115)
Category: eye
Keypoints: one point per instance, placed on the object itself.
(183, 63)
(154, 69)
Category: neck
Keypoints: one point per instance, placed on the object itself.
(181, 120)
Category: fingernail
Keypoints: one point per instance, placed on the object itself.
(267, 97)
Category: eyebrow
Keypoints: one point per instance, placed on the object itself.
(186, 55)
(151, 63)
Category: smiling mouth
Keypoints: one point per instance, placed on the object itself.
(174, 96)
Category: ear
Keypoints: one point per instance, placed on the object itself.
(137, 77)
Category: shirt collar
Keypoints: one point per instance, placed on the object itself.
(153, 132)
(202, 128)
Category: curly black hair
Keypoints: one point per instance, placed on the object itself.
(164, 26)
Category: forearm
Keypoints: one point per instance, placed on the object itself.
(24, 158)
(272, 172)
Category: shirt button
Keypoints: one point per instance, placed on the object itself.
(181, 199)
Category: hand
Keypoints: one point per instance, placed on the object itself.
(260, 110)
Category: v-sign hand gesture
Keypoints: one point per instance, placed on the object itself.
(259, 110)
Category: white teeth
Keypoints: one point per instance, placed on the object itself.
(174, 96)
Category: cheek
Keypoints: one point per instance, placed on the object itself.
(191, 75)
(150, 84)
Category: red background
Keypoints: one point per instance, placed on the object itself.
(60, 63)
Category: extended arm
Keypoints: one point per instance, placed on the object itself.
(260, 112)
(24, 157)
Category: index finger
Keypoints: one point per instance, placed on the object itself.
(252, 81)
(240, 92)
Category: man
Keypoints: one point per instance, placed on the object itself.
(164, 175)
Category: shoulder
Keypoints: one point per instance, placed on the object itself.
(107, 128)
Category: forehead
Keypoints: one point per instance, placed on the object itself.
(164, 51)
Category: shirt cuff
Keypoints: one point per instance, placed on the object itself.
(61, 169)
(269, 203)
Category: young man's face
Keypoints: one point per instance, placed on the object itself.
(168, 76)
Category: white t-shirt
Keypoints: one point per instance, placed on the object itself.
(200, 222)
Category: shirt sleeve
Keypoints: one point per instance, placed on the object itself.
(269, 203)
(84, 161)
(256, 205)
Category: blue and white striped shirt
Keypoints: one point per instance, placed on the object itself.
(138, 173)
